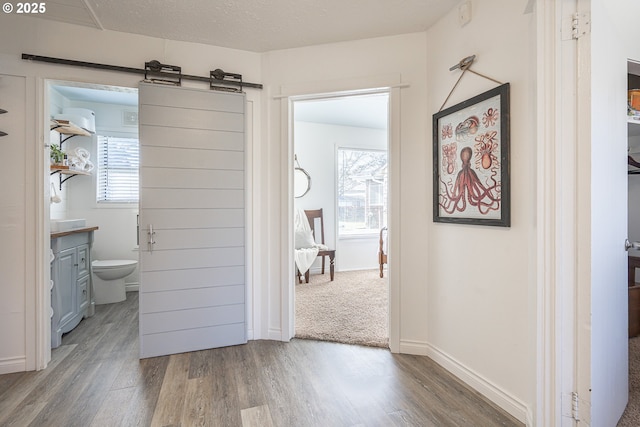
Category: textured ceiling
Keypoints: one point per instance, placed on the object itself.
(254, 25)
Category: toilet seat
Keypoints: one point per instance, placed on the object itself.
(112, 263)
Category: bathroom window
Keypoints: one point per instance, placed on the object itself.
(118, 165)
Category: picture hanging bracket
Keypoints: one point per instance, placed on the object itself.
(220, 80)
(465, 65)
(155, 72)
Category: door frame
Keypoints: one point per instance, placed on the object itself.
(39, 342)
(556, 237)
(392, 85)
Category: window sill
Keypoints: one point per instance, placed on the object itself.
(116, 205)
(359, 236)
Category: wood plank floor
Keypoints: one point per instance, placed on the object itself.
(96, 379)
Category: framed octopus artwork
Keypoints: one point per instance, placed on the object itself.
(471, 161)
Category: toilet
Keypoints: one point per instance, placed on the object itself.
(108, 279)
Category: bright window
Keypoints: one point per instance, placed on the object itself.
(362, 191)
(118, 165)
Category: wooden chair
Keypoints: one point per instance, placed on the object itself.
(314, 216)
(382, 256)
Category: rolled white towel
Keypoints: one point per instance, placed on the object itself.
(88, 166)
(82, 153)
(76, 162)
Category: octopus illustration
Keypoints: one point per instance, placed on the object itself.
(469, 189)
(449, 157)
(490, 117)
(486, 146)
(467, 127)
(447, 131)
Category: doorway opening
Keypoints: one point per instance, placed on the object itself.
(341, 145)
(633, 128)
(93, 193)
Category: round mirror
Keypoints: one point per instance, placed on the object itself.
(301, 182)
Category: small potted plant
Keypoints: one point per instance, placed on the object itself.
(56, 154)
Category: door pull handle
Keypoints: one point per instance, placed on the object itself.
(631, 245)
(151, 241)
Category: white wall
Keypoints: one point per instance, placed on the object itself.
(57, 103)
(15, 216)
(316, 146)
(463, 290)
(478, 310)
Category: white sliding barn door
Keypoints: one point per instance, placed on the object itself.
(192, 197)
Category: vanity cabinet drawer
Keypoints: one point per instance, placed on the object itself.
(83, 260)
(83, 293)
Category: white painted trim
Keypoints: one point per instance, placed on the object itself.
(547, 388)
(254, 228)
(249, 254)
(41, 296)
(333, 88)
(418, 348)
(393, 233)
(9, 365)
(500, 397)
(556, 231)
(43, 270)
(287, 312)
(338, 94)
(132, 287)
(276, 335)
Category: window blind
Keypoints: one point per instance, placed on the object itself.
(118, 166)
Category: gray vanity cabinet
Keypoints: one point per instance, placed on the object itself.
(71, 298)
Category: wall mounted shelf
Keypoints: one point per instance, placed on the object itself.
(67, 130)
(64, 170)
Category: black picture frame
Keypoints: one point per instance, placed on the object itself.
(471, 172)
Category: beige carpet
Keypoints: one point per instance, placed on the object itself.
(631, 416)
(352, 309)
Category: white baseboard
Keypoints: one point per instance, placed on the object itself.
(418, 348)
(529, 421)
(13, 364)
(274, 334)
(500, 397)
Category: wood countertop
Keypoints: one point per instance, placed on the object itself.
(55, 234)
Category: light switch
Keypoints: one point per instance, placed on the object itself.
(464, 13)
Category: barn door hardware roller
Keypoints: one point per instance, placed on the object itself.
(227, 81)
(155, 72)
(220, 80)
